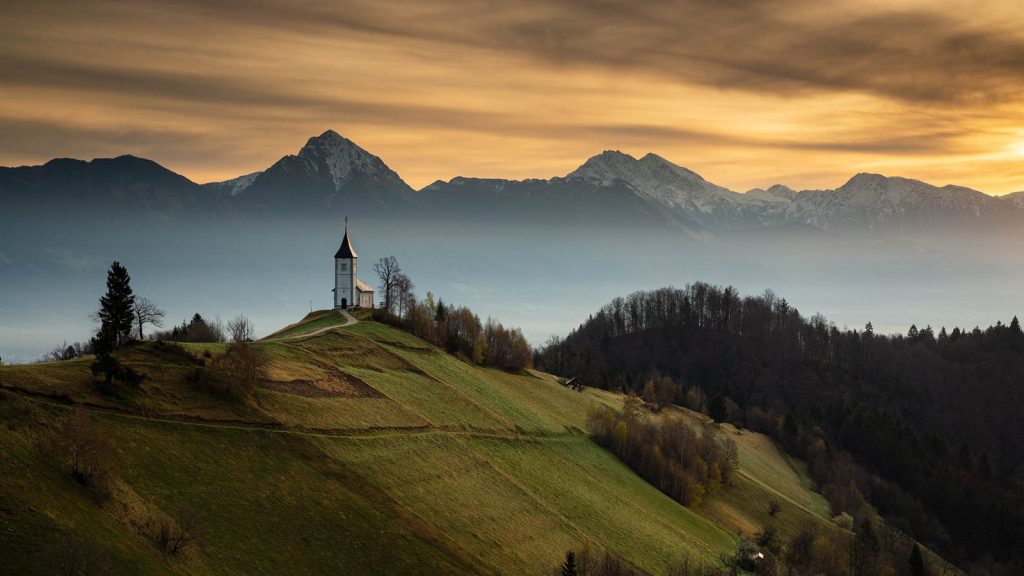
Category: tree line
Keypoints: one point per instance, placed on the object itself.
(921, 428)
(455, 328)
(811, 551)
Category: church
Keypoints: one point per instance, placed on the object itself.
(349, 290)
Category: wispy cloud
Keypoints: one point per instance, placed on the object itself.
(74, 260)
(522, 89)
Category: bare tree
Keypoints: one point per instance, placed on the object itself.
(387, 270)
(403, 293)
(147, 312)
(241, 329)
(178, 533)
(245, 365)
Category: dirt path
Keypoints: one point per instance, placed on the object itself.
(349, 320)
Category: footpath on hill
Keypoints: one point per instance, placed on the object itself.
(349, 321)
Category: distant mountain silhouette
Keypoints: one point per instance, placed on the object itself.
(124, 183)
(331, 175)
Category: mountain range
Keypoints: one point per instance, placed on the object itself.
(331, 175)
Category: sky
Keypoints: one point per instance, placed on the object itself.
(801, 92)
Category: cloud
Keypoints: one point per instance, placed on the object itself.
(784, 46)
(74, 260)
(524, 89)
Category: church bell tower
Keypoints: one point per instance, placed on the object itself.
(345, 262)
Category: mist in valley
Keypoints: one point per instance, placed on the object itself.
(545, 278)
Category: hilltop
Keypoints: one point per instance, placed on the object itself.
(364, 450)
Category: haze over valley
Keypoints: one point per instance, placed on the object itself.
(537, 253)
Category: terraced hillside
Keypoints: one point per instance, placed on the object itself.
(365, 451)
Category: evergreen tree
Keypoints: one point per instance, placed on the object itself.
(916, 561)
(789, 427)
(117, 307)
(116, 315)
(569, 567)
(1015, 326)
(717, 409)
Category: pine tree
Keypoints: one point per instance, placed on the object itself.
(789, 428)
(117, 307)
(916, 561)
(717, 409)
(569, 567)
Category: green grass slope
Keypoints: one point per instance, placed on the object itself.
(365, 451)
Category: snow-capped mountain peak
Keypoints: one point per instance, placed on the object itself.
(606, 167)
(676, 190)
(876, 201)
(341, 158)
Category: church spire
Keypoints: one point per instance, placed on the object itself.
(346, 251)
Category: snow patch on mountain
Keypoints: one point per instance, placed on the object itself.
(873, 200)
(342, 159)
(777, 193)
(679, 191)
(236, 186)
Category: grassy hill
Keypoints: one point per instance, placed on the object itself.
(365, 451)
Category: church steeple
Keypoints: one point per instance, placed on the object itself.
(345, 250)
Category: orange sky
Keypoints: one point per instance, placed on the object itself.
(748, 94)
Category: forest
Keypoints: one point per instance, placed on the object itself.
(923, 429)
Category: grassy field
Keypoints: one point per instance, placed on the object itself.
(364, 451)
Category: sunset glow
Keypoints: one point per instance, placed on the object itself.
(803, 93)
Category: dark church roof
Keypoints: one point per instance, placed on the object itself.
(346, 251)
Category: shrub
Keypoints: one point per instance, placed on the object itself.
(236, 372)
(113, 371)
(843, 520)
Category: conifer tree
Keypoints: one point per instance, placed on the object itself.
(117, 308)
(569, 566)
(916, 561)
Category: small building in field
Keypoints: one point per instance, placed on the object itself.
(349, 290)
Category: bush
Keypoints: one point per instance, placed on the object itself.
(113, 371)
(843, 520)
(237, 372)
